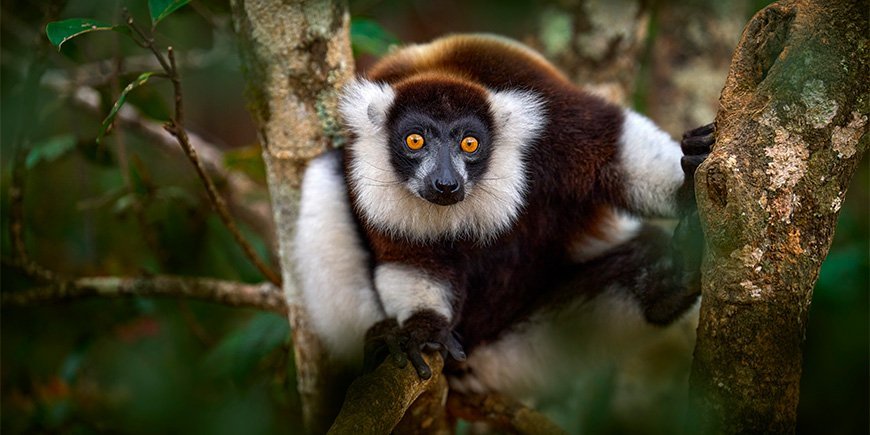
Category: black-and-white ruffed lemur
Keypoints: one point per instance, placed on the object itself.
(488, 208)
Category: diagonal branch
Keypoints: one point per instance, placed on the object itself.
(263, 296)
(176, 127)
(376, 402)
(246, 198)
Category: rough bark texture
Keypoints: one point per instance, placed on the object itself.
(791, 131)
(297, 56)
(428, 414)
(596, 43)
(376, 402)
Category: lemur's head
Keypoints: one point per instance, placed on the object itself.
(437, 156)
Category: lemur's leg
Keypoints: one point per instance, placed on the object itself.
(662, 272)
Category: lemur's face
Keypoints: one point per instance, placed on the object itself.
(432, 157)
(440, 140)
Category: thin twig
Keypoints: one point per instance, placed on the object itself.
(16, 189)
(176, 127)
(245, 197)
(263, 296)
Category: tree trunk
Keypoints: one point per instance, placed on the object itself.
(296, 56)
(790, 132)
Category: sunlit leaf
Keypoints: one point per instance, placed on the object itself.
(369, 37)
(141, 80)
(125, 203)
(59, 32)
(50, 149)
(161, 9)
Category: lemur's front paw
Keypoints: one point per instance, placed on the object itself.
(382, 340)
(696, 145)
(427, 330)
(423, 331)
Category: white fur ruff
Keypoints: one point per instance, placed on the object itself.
(491, 205)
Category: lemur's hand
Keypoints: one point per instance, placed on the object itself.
(423, 331)
(696, 145)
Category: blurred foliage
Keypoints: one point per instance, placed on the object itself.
(150, 366)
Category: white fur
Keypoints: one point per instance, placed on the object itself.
(405, 290)
(490, 206)
(650, 160)
(332, 264)
(616, 229)
(548, 356)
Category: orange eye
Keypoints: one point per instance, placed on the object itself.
(414, 141)
(469, 144)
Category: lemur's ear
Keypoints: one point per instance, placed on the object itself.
(364, 104)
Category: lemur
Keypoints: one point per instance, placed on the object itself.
(488, 208)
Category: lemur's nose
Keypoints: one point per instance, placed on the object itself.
(445, 186)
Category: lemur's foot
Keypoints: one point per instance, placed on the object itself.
(423, 331)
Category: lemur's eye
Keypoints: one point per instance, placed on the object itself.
(414, 141)
(469, 144)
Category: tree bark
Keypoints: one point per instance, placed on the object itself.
(376, 402)
(263, 296)
(790, 132)
(297, 56)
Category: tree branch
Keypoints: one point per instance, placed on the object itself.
(246, 197)
(264, 296)
(176, 127)
(377, 401)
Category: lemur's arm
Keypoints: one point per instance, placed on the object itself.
(662, 273)
(420, 307)
(653, 175)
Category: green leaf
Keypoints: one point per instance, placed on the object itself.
(125, 203)
(50, 149)
(369, 37)
(161, 9)
(141, 80)
(59, 32)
